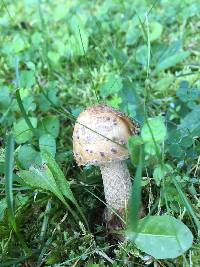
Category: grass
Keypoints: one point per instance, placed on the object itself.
(59, 57)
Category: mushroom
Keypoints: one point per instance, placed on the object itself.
(99, 138)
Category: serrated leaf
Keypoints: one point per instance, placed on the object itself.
(162, 237)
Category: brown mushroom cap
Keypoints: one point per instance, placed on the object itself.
(93, 132)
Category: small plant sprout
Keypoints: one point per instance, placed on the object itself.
(99, 138)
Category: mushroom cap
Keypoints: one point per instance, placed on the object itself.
(100, 135)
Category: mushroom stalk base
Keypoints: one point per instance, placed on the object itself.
(117, 184)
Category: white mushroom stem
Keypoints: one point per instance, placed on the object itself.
(117, 184)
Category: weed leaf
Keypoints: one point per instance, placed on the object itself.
(162, 237)
(60, 179)
(172, 61)
(41, 179)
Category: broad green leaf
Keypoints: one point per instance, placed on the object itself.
(131, 102)
(4, 98)
(134, 146)
(28, 156)
(191, 121)
(22, 132)
(186, 141)
(18, 44)
(49, 125)
(54, 57)
(171, 61)
(174, 137)
(60, 179)
(113, 85)
(186, 94)
(160, 172)
(47, 143)
(41, 178)
(163, 51)
(152, 149)
(163, 84)
(162, 237)
(155, 30)
(60, 12)
(36, 38)
(61, 182)
(157, 129)
(27, 78)
(51, 96)
(60, 48)
(28, 103)
(176, 151)
(114, 102)
(132, 35)
(141, 55)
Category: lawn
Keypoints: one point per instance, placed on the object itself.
(58, 58)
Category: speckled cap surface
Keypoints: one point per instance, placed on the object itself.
(101, 134)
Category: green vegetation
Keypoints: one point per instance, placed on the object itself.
(59, 57)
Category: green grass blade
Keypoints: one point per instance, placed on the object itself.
(9, 190)
(186, 203)
(9, 179)
(45, 45)
(148, 47)
(136, 194)
(10, 263)
(19, 100)
(45, 220)
(95, 91)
